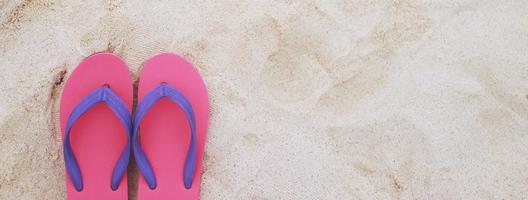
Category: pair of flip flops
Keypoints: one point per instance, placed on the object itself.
(166, 133)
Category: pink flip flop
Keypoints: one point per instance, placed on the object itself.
(173, 115)
(96, 127)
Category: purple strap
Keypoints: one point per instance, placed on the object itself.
(103, 94)
(164, 90)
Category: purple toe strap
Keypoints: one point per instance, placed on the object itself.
(103, 94)
(164, 90)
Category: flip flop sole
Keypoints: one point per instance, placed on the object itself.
(98, 137)
(165, 132)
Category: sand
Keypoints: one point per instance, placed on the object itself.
(395, 99)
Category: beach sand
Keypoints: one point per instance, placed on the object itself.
(366, 99)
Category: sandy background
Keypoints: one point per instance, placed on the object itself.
(363, 99)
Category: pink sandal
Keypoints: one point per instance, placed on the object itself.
(173, 113)
(96, 135)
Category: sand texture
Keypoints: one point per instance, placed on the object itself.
(338, 99)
